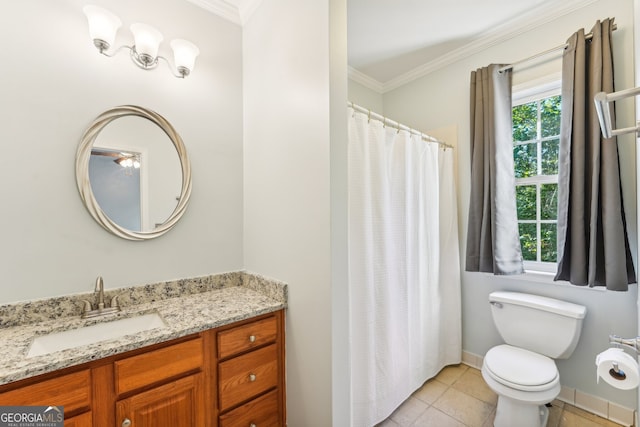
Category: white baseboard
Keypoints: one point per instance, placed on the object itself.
(471, 359)
(596, 405)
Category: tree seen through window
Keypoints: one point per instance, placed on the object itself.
(536, 131)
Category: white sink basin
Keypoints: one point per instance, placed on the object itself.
(58, 341)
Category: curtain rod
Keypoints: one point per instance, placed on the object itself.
(387, 121)
(587, 36)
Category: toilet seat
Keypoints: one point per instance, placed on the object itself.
(521, 369)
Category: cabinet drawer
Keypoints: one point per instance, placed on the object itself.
(246, 376)
(245, 337)
(73, 391)
(158, 365)
(261, 412)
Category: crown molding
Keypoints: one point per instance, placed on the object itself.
(365, 80)
(238, 11)
(525, 22)
(247, 9)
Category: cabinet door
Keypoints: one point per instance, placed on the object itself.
(177, 404)
(83, 420)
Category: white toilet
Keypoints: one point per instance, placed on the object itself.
(522, 372)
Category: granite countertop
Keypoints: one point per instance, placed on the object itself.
(216, 304)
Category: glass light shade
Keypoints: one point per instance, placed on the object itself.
(147, 39)
(103, 25)
(184, 54)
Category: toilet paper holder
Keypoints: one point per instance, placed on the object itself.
(616, 366)
(632, 343)
(616, 372)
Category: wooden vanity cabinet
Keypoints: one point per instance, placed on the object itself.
(162, 388)
(230, 376)
(250, 369)
(71, 390)
(82, 420)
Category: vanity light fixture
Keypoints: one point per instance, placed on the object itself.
(103, 26)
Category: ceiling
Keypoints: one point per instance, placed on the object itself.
(390, 38)
(391, 42)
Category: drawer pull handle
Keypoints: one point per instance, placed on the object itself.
(252, 425)
(252, 338)
(126, 422)
(252, 377)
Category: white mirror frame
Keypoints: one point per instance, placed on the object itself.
(84, 185)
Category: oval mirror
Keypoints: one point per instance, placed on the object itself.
(133, 173)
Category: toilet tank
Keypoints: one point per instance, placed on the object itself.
(543, 325)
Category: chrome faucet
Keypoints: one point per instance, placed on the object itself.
(101, 307)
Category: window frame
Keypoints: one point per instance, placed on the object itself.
(523, 94)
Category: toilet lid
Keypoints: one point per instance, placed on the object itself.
(520, 369)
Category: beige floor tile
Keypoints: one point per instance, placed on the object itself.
(465, 408)
(409, 411)
(558, 403)
(598, 421)
(489, 421)
(570, 419)
(430, 391)
(450, 374)
(555, 415)
(458, 398)
(388, 423)
(471, 382)
(434, 418)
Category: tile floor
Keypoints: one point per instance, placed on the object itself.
(459, 397)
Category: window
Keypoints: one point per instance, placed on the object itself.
(536, 138)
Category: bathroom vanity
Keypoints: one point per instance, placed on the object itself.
(229, 373)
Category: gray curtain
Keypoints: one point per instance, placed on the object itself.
(493, 240)
(593, 248)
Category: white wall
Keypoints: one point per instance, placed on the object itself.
(54, 83)
(292, 72)
(441, 99)
(365, 97)
(340, 362)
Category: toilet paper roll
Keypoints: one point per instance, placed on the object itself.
(627, 374)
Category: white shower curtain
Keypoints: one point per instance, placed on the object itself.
(404, 272)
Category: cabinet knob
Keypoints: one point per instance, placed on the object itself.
(252, 338)
(252, 425)
(252, 377)
(126, 422)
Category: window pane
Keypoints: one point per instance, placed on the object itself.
(526, 201)
(548, 242)
(550, 157)
(550, 116)
(525, 160)
(536, 131)
(524, 120)
(549, 201)
(528, 241)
